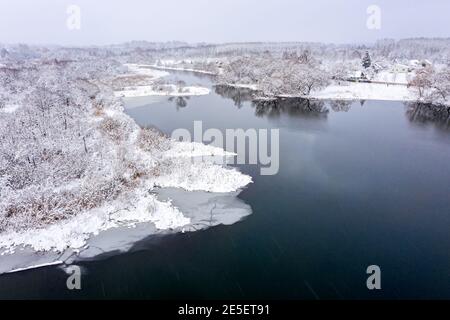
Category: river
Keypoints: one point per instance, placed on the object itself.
(359, 183)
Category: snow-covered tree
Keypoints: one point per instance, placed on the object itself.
(422, 81)
(440, 84)
(366, 60)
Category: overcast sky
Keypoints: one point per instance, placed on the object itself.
(114, 21)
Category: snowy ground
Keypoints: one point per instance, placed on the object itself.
(355, 91)
(366, 91)
(202, 209)
(9, 108)
(142, 70)
(180, 69)
(244, 86)
(394, 77)
(142, 207)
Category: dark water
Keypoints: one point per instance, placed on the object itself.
(359, 184)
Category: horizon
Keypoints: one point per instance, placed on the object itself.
(205, 43)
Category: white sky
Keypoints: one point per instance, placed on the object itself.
(114, 21)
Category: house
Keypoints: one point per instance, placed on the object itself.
(357, 76)
(401, 68)
(417, 64)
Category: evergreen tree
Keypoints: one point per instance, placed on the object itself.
(366, 61)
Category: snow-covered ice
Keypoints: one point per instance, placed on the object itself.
(202, 210)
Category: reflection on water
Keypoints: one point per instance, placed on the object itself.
(273, 108)
(238, 95)
(416, 112)
(293, 107)
(424, 113)
(342, 105)
(180, 102)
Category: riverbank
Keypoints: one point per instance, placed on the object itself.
(170, 90)
(153, 86)
(365, 91)
(352, 91)
(132, 207)
(343, 91)
(146, 161)
(179, 69)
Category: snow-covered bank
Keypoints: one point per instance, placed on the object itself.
(141, 213)
(167, 90)
(195, 149)
(179, 69)
(36, 266)
(314, 75)
(142, 70)
(73, 233)
(151, 88)
(349, 91)
(202, 209)
(140, 206)
(366, 91)
(107, 183)
(253, 87)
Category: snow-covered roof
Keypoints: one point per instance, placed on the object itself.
(357, 74)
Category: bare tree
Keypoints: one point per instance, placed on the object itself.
(422, 81)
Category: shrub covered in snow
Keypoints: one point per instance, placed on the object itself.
(150, 139)
(60, 153)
